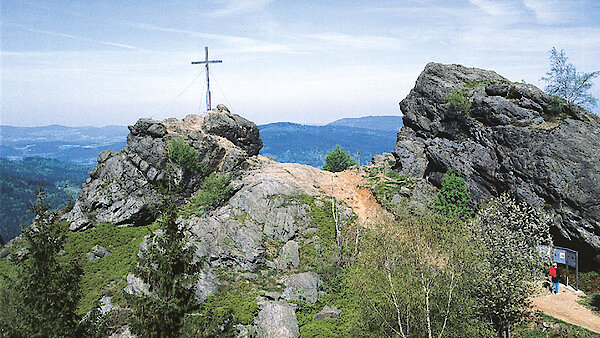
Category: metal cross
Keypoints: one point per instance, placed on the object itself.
(206, 62)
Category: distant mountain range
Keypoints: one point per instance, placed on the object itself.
(386, 123)
(284, 141)
(79, 145)
(292, 142)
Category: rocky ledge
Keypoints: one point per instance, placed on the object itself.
(509, 137)
(125, 186)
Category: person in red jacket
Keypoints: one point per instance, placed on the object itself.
(554, 276)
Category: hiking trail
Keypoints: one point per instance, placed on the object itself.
(564, 306)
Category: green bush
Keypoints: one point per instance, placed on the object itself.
(215, 190)
(219, 313)
(556, 109)
(184, 155)
(453, 199)
(595, 301)
(460, 100)
(338, 160)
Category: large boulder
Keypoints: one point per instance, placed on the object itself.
(514, 138)
(125, 186)
(302, 287)
(289, 255)
(277, 319)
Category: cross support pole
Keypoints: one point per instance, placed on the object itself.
(206, 62)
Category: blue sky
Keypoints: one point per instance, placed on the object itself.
(111, 62)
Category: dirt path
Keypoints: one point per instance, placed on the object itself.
(346, 187)
(564, 306)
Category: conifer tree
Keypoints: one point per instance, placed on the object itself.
(49, 290)
(338, 160)
(453, 199)
(166, 267)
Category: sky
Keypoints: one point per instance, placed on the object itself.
(109, 62)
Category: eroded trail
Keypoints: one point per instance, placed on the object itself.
(564, 306)
(348, 187)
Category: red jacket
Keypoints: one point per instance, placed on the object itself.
(552, 271)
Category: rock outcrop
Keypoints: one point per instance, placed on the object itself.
(513, 138)
(277, 319)
(302, 287)
(125, 186)
(328, 312)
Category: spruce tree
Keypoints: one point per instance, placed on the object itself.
(453, 199)
(49, 290)
(166, 266)
(338, 160)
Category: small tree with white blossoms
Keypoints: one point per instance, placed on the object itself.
(511, 233)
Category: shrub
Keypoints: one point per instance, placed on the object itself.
(459, 100)
(184, 155)
(555, 110)
(215, 190)
(513, 93)
(220, 313)
(595, 301)
(104, 275)
(511, 233)
(454, 200)
(338, 160)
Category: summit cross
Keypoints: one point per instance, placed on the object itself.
(206, 62)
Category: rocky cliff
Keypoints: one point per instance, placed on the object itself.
(509, 137)
(256, 237)
(125, 186)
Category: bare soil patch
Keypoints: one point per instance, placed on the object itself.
(564, 306)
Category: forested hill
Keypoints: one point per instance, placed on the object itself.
(387, 123)
(19, 181)
(292, 142)
(80, 145)
(286, 142)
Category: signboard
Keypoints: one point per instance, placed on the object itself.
(560, 256)
(572, 258)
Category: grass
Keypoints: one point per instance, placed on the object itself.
(385, 183)
(105, 276)
(534, 328)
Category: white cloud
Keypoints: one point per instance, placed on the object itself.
(239, 44)
(358, 41)
(74, 37)
(494, 8)
(549, 11)
(232, 7)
